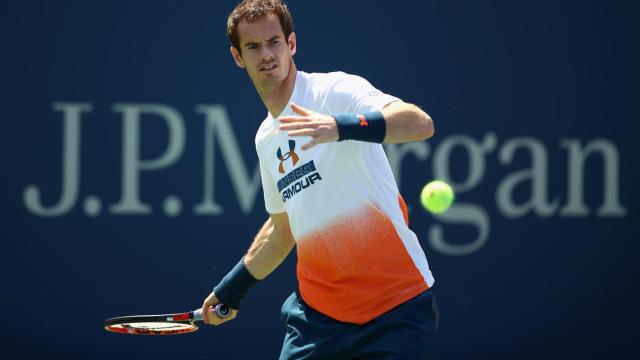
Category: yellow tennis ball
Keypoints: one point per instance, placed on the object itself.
(437, 196)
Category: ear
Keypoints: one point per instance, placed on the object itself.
(237, 57)
(292, 43)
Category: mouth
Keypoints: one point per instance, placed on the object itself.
(268, 67)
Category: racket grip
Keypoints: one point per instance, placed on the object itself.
(222, 311)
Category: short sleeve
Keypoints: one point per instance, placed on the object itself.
(354, 94)
(272, 200)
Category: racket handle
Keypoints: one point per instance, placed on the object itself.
(222, 311)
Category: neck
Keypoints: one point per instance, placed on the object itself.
(276, 97)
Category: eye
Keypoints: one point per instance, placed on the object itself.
(274, 42)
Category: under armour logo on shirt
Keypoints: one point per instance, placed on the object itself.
(288, 155)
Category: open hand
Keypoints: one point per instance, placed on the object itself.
(322, 128)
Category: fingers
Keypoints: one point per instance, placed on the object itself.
(205, 310)
(298, 126)
(215, 320)
(322, 128)
(205, 314)
(300, 110)
(303, 132)
(209, 304)
(319, 134)
(209, 315)
(310, 144)
(295, 119)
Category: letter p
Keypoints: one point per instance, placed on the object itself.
(132, 164)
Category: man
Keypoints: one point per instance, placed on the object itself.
(364, 282)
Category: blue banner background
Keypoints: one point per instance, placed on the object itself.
(540, 284)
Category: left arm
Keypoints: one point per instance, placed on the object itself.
(404, 123)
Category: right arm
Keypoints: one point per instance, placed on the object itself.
(270, 247)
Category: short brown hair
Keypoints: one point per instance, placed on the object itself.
(251, 10)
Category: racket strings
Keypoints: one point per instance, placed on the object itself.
(157, 326)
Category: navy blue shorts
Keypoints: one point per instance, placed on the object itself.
(405, 332)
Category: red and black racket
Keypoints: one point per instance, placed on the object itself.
(166, 324)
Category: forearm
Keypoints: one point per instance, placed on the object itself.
(269, 248)
(406, 123)
(272, 244)
(398, 122)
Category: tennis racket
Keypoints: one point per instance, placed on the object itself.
(166, 324)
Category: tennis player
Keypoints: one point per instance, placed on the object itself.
(364, 281)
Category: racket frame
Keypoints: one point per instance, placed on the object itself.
(134, 324)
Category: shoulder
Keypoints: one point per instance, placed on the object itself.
(336, 80)
(343, 86)
(336, 90)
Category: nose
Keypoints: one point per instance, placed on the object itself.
(267, 55)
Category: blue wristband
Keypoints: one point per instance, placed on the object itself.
(369, 126)
(235, 285)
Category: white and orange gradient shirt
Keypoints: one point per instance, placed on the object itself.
(357, 257)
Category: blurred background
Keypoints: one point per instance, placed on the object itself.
(130, 181)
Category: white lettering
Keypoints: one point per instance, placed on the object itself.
(575, 186)
(397, 152)
(132, 165)
(219, 127)
(537, 175)
(461, 213)
(70, 164)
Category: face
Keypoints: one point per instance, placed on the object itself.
(264, 52)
